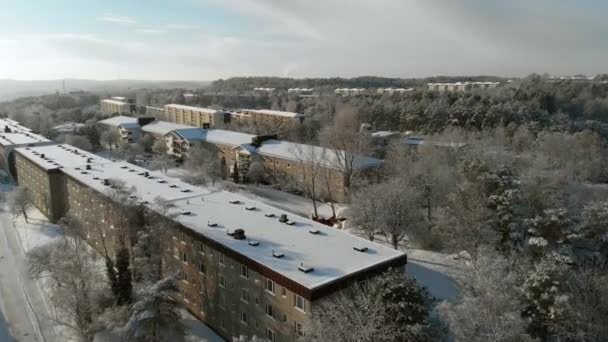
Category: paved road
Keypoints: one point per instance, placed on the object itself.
(22, 305)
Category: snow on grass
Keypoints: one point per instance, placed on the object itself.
(198, 331)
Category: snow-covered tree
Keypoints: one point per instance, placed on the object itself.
(20, 201)
(156, 315)
(391, 307)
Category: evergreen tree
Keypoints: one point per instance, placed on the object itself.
(235, 173)
(123, 277)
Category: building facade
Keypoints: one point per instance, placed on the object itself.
(195, 116)
(113, 106)
(461, 86)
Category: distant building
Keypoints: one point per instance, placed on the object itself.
(68, 127)
(416, 141)
(114, 106)
(349, 91)
(300, 90)
(392, 91)
(264, 90)
(195, 116)
(266, 117)
(128, 127)
(461, 86)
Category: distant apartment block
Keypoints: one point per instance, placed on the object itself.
(349, 91)
(245, 268)
(392, 91)
(461, 86)
(118, 105)
(195, 116)
(128, 127)
(264, 90)
(300, 90)
(265, 117)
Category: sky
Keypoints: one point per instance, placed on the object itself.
(211, 39)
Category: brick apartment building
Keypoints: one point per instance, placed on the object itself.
(13, 135)
(129, 128)
(246, 268)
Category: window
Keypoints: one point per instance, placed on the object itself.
(244, 318)
(270, 336)
(270, 311)
(244, 271)
(284, 292)
(183, 237)
(221, 258)
(201, 268)
(298, 302)
(176, 252)
(223, 323)
(184, 276)
(270, 286)
(222, 281)
(298, 329)
(222, 301)
(184, 257)
(201, 248)
(245, 296)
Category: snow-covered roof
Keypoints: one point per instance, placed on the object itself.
(118, 120)
(384, 134)
(60, 156)
(68, 127)
(192, 108)
(216, 136)
(297, 152)
(120, 103)
(329, 251)
(18, 135)
(162, 127)
(130, 125)
(273, 112)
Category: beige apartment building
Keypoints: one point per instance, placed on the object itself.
(114, 106)
(267, 118)
(246, 268)
(195, 116)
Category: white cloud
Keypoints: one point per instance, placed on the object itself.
(117, 19)
(150, 31)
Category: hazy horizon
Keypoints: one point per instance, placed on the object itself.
(212, 39)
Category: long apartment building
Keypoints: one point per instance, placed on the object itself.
(461, 86)
(246, 268)
(130, 128)
(117, 105)
(195, 116)
(265, 117)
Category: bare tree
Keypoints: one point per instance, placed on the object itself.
(256, 172)
(347, 142)
(365, 210)
(111, 138)
(309, 159)
(20, 201)
(400, 211)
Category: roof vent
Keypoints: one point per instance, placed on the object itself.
(76, 168)
(290, 222)
(314, 231)
(277, 254)
(96, 178)
(141, 174)
(42, 155)
(161, 181)
(269, 215)
(305, 268)
(89, 160)
(361, 249)
(250, 208)
(186, 190)
(173, 186)
(144, 202)
(234, 202)
(283, 218)
(131, 170)
(212, 224)
(239, 234)
(132, 196)
(124, 167)
(88, 167)
(184, 212)
(84, 172)
(254, 243)
(106, 182)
